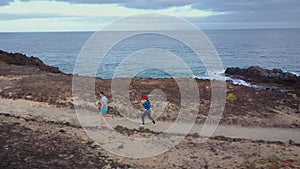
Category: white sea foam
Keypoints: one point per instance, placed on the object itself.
(297, 74)
(242, 82)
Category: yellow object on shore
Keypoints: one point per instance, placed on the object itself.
(230, 96)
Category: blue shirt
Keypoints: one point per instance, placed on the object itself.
(102, 101)
(147, 105)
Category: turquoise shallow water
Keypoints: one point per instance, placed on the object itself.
(268, 48)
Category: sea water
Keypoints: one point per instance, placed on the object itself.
(268, 48)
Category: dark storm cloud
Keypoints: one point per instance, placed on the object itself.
(139, 4)
(7, 2)
(158, 4)
(213, 5)
(93, 1)
(236, 11)
(259, 12)
(247, 5)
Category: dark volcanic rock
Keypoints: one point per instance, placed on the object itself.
(260, 75)
(23, 147)
(20, 59)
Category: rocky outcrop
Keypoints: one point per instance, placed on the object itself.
(20, 59)
(260, 75)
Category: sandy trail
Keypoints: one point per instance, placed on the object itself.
(88, 119)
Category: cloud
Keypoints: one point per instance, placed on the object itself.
(158, 4)
(28, 16)
(211, 13)
(63, 9)
(54, 13)
(263, 10)
(5, 2)
(246, 5)
(138, 4)
(262, 13)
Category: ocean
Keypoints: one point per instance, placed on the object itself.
(267, 48)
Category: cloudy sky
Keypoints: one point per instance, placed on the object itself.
(86, 15)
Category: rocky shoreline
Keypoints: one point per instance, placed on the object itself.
(250, 107)
(259, 75)
(21, 59)
(28, 79)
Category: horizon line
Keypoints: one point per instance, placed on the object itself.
(79, 31)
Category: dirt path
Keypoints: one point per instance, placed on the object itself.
(44, 112)
(35, 134)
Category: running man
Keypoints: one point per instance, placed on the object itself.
(147, 106)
